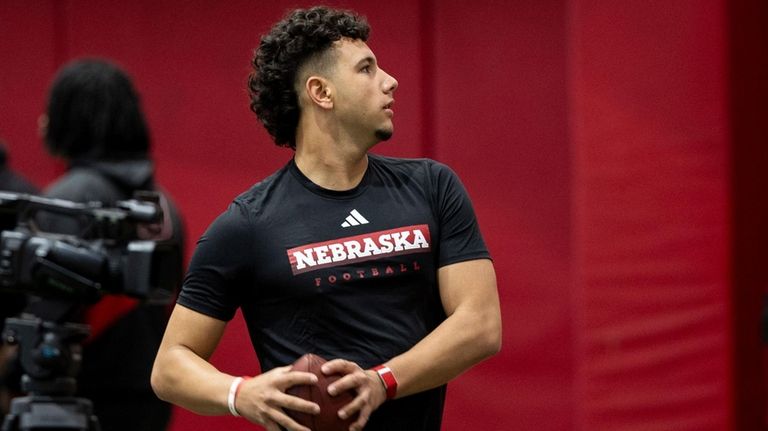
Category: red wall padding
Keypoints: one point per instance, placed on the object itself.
(651, 202)
(501, 122)
(594, 138)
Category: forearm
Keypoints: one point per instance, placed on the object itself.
(470, 333)
(183, 378)
(461, 341)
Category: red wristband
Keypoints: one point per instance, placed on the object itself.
(387, 379)
(237, 390)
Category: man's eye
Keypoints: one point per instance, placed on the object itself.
(366, 69)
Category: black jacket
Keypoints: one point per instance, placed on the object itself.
(121, 357)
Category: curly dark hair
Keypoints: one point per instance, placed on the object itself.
(94, 112)
(302, 35)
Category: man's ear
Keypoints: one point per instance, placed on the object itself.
(320, 92)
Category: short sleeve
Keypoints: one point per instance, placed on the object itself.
(460, 237)
(220, 266)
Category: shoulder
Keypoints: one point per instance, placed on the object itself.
(405, 163)
(260, 192)
(81, 185)
(254, 200)
(408, 165)
(400, 162)
(13, 182)
(421, 169)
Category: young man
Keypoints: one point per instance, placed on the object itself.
(362, 259)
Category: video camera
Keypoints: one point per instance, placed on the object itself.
(128, 249)
(125, 249)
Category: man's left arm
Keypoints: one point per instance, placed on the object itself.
(470, 333)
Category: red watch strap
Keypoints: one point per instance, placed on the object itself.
(387, 379)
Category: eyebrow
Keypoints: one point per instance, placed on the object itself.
(368, 59)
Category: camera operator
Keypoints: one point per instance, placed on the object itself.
(11, 181)
(10, 303)
(95, 123)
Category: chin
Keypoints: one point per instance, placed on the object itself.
(383, 134)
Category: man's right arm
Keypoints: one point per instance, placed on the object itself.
(182, 375)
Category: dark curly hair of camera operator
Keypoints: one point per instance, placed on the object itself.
(94, 112)
(300, 37)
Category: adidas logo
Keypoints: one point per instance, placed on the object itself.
(354, 219)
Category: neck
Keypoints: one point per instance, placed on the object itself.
(331, 162)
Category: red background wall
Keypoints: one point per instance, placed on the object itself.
(615, 153)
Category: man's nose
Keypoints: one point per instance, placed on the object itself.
(390, 83)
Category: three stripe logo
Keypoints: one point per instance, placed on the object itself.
(354, 219)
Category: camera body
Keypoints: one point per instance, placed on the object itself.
(69, 268)
(126, 249)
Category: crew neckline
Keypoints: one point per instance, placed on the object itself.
(322, 191)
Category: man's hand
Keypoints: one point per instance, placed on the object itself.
(262, 399)
(370, 392)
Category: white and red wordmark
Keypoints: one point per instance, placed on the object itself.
(359, 248)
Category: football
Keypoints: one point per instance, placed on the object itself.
(328, 418)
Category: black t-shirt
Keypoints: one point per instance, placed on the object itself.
(348, 274)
